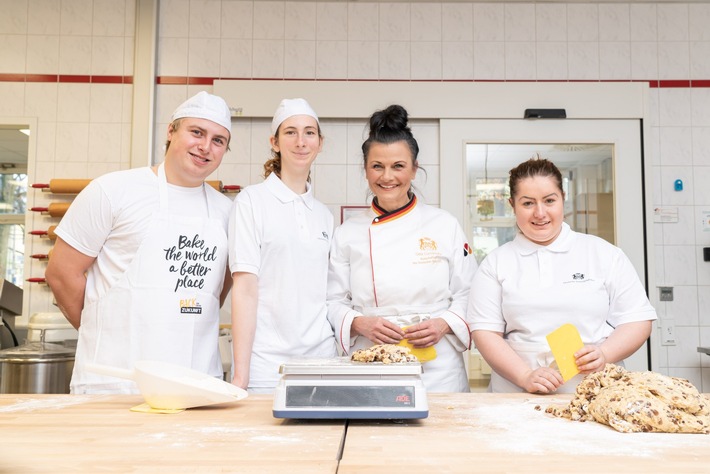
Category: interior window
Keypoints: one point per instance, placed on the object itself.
(13, 202)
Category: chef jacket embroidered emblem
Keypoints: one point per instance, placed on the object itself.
(578, 276)
(190, 306)
(428, 253)
(325, 234)
(426, 243)
(466, 249)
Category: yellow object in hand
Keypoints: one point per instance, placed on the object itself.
(564, 342)
(422, 354)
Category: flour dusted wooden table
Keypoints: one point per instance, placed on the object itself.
(505, 433)
(93, 434)
(464, 433)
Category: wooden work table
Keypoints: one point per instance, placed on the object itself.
(99, 433)
(491, 433)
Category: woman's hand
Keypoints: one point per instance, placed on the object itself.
(377, 329)
(427, 333)
(542, 380)
(590, 359)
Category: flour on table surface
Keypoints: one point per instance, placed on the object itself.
(520, 427)
(184, 435)
(33, 404)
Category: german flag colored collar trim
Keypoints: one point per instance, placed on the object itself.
(383, 216)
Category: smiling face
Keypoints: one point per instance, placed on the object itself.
(539, 208)
(299, 142)
(389, 170)
(195, 151)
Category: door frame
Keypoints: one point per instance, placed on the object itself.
(631, 203)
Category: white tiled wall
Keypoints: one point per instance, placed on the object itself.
(84, 130)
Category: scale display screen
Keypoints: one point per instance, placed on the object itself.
(345, 396)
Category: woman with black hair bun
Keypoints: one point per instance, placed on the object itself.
(401, 270)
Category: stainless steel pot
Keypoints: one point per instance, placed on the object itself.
(36, 367)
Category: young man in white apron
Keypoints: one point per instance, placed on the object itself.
(140, 261)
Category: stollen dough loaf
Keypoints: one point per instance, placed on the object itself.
(638, 402)
(385, 353)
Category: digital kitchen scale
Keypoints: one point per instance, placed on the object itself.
(338, 388)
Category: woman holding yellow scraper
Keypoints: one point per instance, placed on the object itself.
(401, 269)
(547, 276)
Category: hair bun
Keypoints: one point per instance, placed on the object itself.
(391, 119)
(390, 126)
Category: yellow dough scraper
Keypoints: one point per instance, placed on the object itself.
(564, 342)
(423, 355)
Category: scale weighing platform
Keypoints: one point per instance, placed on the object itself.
(338, 388)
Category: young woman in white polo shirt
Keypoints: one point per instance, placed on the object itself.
(547, 276)
(279, 238)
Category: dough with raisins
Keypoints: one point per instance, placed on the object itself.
(385, 353)
(633, 402)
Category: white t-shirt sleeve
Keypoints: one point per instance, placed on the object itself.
(88, 221)
(628, 301)
(485, 310)
(244, 238)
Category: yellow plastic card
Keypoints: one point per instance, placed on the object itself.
(145, 408)
(564, 342)
(423, 355)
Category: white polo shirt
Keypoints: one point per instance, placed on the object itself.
(283, 238)
(525, 290)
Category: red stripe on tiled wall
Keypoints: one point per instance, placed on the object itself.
(208, 81)
(182, 80)
(66, 78)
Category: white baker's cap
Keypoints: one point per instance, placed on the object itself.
(205, 106)
(288, 108)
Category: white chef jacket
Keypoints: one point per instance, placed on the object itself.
(284, 239)
(409, 262)
(525, 291)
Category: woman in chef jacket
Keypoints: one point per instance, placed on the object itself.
(279, 238)
(547, 276)
(401, 269)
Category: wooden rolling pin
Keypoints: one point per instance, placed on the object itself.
(74, 186)
(49, 232)
(217, 185)
(63, 186)
(224, 188)
(55, 209)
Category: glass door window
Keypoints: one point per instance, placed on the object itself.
(14, 142)
(602, 165)
(13, 189)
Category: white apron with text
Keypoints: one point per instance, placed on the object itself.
(164, 307)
